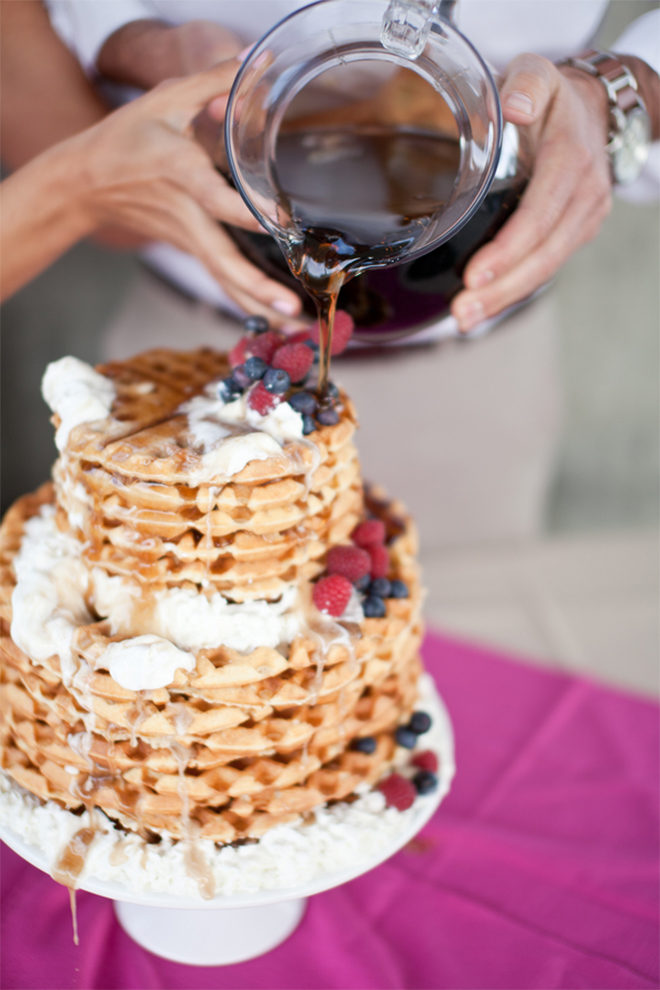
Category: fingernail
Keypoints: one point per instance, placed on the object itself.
(244, 54)
(481, 278)
(469, 314)
(521, 102)
(285, 307)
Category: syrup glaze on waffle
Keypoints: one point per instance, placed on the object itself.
(240, 740)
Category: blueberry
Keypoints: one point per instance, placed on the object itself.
(309, 426)
(312, 346)
(332, 391)
(363, 583)
(328, 417)
(419, 723)
(256, 324)
(365, 745)
(304, 402)
(425, 782)
(399, 589)
(405, 737)
(277, 381)
(374, 607)
(228, 389)
(240, 376)
(255, 368)
(380, 587)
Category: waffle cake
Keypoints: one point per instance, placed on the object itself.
(179, 652)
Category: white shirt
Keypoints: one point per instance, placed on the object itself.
(499, 30)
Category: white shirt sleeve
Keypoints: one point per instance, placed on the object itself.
(642, 39)
(84, 25)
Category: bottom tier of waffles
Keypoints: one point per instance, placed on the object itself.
(228, 750)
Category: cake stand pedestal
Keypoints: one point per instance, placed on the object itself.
(236, 927)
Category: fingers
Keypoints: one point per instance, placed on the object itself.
(580, 224)
(529, 86)
(180, 100)
(195, 174)
(251, 288)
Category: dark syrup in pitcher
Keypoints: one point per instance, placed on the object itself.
(359, 198)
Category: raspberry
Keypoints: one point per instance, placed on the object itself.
(426, 760)
(331, 594)
(351, 562)
(237, 353)
(262, 401)
(341, 332)
(369, 532)
(298, 338)
(296, 359)
(398, 792)
(380, 560)
(265, 345)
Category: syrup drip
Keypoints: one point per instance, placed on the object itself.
(194, 861)
(74, 914)
(69, 866)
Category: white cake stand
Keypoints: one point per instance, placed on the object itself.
(232, 929)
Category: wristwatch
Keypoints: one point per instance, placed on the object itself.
(630, 126)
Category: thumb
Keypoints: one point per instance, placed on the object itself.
(530, 83)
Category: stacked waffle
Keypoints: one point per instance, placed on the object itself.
(162, 657)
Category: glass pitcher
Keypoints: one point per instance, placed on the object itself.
(375, 127)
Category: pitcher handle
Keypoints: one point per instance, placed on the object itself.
(407, 23)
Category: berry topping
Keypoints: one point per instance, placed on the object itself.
(237, 353)
(365, 745)
(426, 760)
(255, 368)
(255, 324)
(380, 560)
(406, 737)
(331, 391)
(262, 401)
(369, 532)
(229, 389)
(397, 791)
(265, 345)
(240, 376)
(380, 587)
(351, 562)
(374, 607)
(364, 583)
(295, 359)
(309, 426)
(425, 782)
(327, 417)
(312, 346)
(420, 723)
(399, 589)
(341, 332)
(304, 402)
(331, 594)
(276, 381)
(301, 337)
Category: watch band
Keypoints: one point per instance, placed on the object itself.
(620, 85)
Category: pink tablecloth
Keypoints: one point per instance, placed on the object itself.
(540, 870)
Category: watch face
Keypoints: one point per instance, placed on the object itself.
(635, 141)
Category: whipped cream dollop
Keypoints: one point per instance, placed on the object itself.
(48, 601)
(77, 394)
(194, 621)
(145, 662)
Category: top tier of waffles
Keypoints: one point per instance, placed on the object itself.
(162, 658)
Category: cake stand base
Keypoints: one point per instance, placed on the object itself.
(210, 938)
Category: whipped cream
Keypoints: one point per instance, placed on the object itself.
(77, 394)
(144, 663)
(204, 411)
(194, 621)
(48, 601)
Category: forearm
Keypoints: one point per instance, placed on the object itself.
(44, 212)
